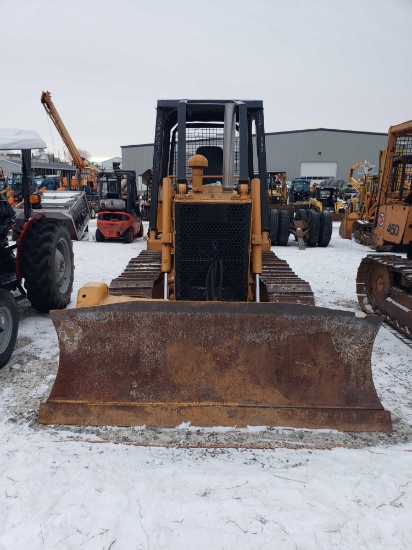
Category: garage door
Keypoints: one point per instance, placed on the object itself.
(318, 170)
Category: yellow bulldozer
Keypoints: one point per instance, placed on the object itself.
(211, 327)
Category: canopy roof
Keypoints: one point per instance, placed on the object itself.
(20, 139)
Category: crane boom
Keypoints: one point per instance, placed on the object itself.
(61, 128)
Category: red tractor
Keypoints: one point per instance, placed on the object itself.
(119, 215)
(41, 259)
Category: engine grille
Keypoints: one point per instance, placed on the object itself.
(207, 234)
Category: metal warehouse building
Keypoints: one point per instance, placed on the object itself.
(39, 168)
(316, 154)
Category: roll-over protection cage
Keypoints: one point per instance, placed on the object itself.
(204, 122)
(111, 183)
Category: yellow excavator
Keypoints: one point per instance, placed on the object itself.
(363, 206)
(211, 327)
(360, 187)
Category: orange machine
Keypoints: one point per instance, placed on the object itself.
(385, 217)
(384, 283)
(118, 218)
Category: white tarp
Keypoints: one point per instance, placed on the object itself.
(20, 139)
(60, 197)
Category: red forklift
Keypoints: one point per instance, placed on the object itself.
(119, 209)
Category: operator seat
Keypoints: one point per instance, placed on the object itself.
(214, 155)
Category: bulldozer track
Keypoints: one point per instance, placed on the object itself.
(393, 303)
(139, 276)
(283, 285)
(407, 341)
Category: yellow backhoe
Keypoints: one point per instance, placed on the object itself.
(385, 216)
(211, 327)
(363, 206)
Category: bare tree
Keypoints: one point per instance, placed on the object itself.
(84, 153)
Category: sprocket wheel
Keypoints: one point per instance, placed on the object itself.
(380, 281)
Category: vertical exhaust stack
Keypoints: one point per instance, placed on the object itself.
(229, 146)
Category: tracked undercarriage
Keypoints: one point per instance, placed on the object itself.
(280, 283)
(384, 285)
(363, 234)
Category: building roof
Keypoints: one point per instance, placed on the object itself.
(327, 130)
(38, 164)
(135, 145)
(289, 132)
(110, 159)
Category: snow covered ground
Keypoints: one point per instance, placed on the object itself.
(121, 488)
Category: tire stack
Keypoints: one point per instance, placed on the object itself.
(279, 223)
(318, 223)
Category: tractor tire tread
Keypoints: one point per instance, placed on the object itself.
(8, 302)
(38, 259)
(284, 228)
(312, 237)
(325, 232)
(273, 226)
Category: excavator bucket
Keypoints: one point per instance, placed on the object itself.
(345, 228)
(215, 364)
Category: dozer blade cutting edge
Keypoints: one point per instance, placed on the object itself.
(215, 364)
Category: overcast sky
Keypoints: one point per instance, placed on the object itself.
(315, 63)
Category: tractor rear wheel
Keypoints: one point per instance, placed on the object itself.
(273, 226)
(312, 237)
(9, 324)
(325, 233)
(284, 228)
(47, 265)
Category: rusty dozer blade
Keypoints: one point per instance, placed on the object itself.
(161, 363)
